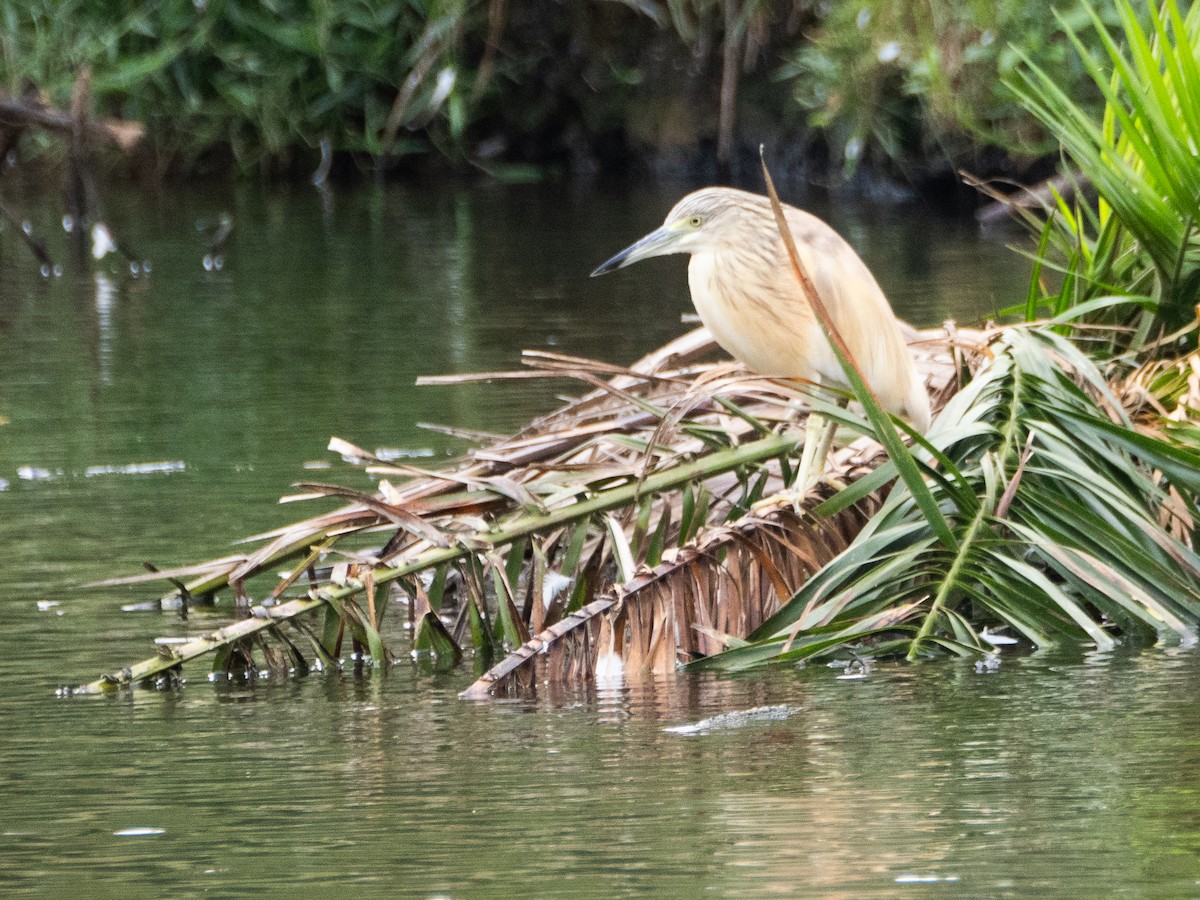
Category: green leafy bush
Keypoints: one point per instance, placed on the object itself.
(261, 78)
(1138, 240)
(895, 82)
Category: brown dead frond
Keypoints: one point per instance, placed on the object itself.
(627, 529)
(723, 585)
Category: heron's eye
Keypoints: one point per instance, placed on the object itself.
(695, 221)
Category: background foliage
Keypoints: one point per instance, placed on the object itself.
(908, 88)
(908, 82)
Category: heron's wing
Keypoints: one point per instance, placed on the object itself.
(862, 315)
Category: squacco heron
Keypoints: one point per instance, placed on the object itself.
(746, 293)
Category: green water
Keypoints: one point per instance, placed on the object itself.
(1055, 777)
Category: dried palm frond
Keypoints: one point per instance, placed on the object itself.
(619, 478)
(637, 528)
(699, 599)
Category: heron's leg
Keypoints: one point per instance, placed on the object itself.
(814, 456)
(818, 438)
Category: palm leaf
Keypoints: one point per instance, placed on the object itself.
(1065, 544)
(1140, 158)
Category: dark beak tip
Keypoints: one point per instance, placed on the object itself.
(630, 254)
(610, 265)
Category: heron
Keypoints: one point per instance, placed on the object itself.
(747, 295)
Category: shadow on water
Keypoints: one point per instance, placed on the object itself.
(156, 418)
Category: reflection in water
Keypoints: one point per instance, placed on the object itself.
(106, 298)
(1020, 780)
(459, 271)
(1017, 781)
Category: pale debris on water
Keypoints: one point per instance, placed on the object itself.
(738, 719)
(388, 454)
(102, 241)
(160, 605)
(853, 669)
(996, 639)
(37, 473)
(34, 473)
(150, 468)
(990, 663)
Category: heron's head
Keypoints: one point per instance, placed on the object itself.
(703, 220)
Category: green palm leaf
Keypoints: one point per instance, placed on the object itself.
(1141, 159)
(1063, 543)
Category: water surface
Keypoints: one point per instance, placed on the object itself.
(157, 418)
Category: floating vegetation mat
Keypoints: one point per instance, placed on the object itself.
(651, 523)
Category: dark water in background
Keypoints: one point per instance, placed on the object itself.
(1060, 777)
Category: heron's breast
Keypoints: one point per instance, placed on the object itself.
(771, 333)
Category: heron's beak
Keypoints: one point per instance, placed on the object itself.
(656, 243)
